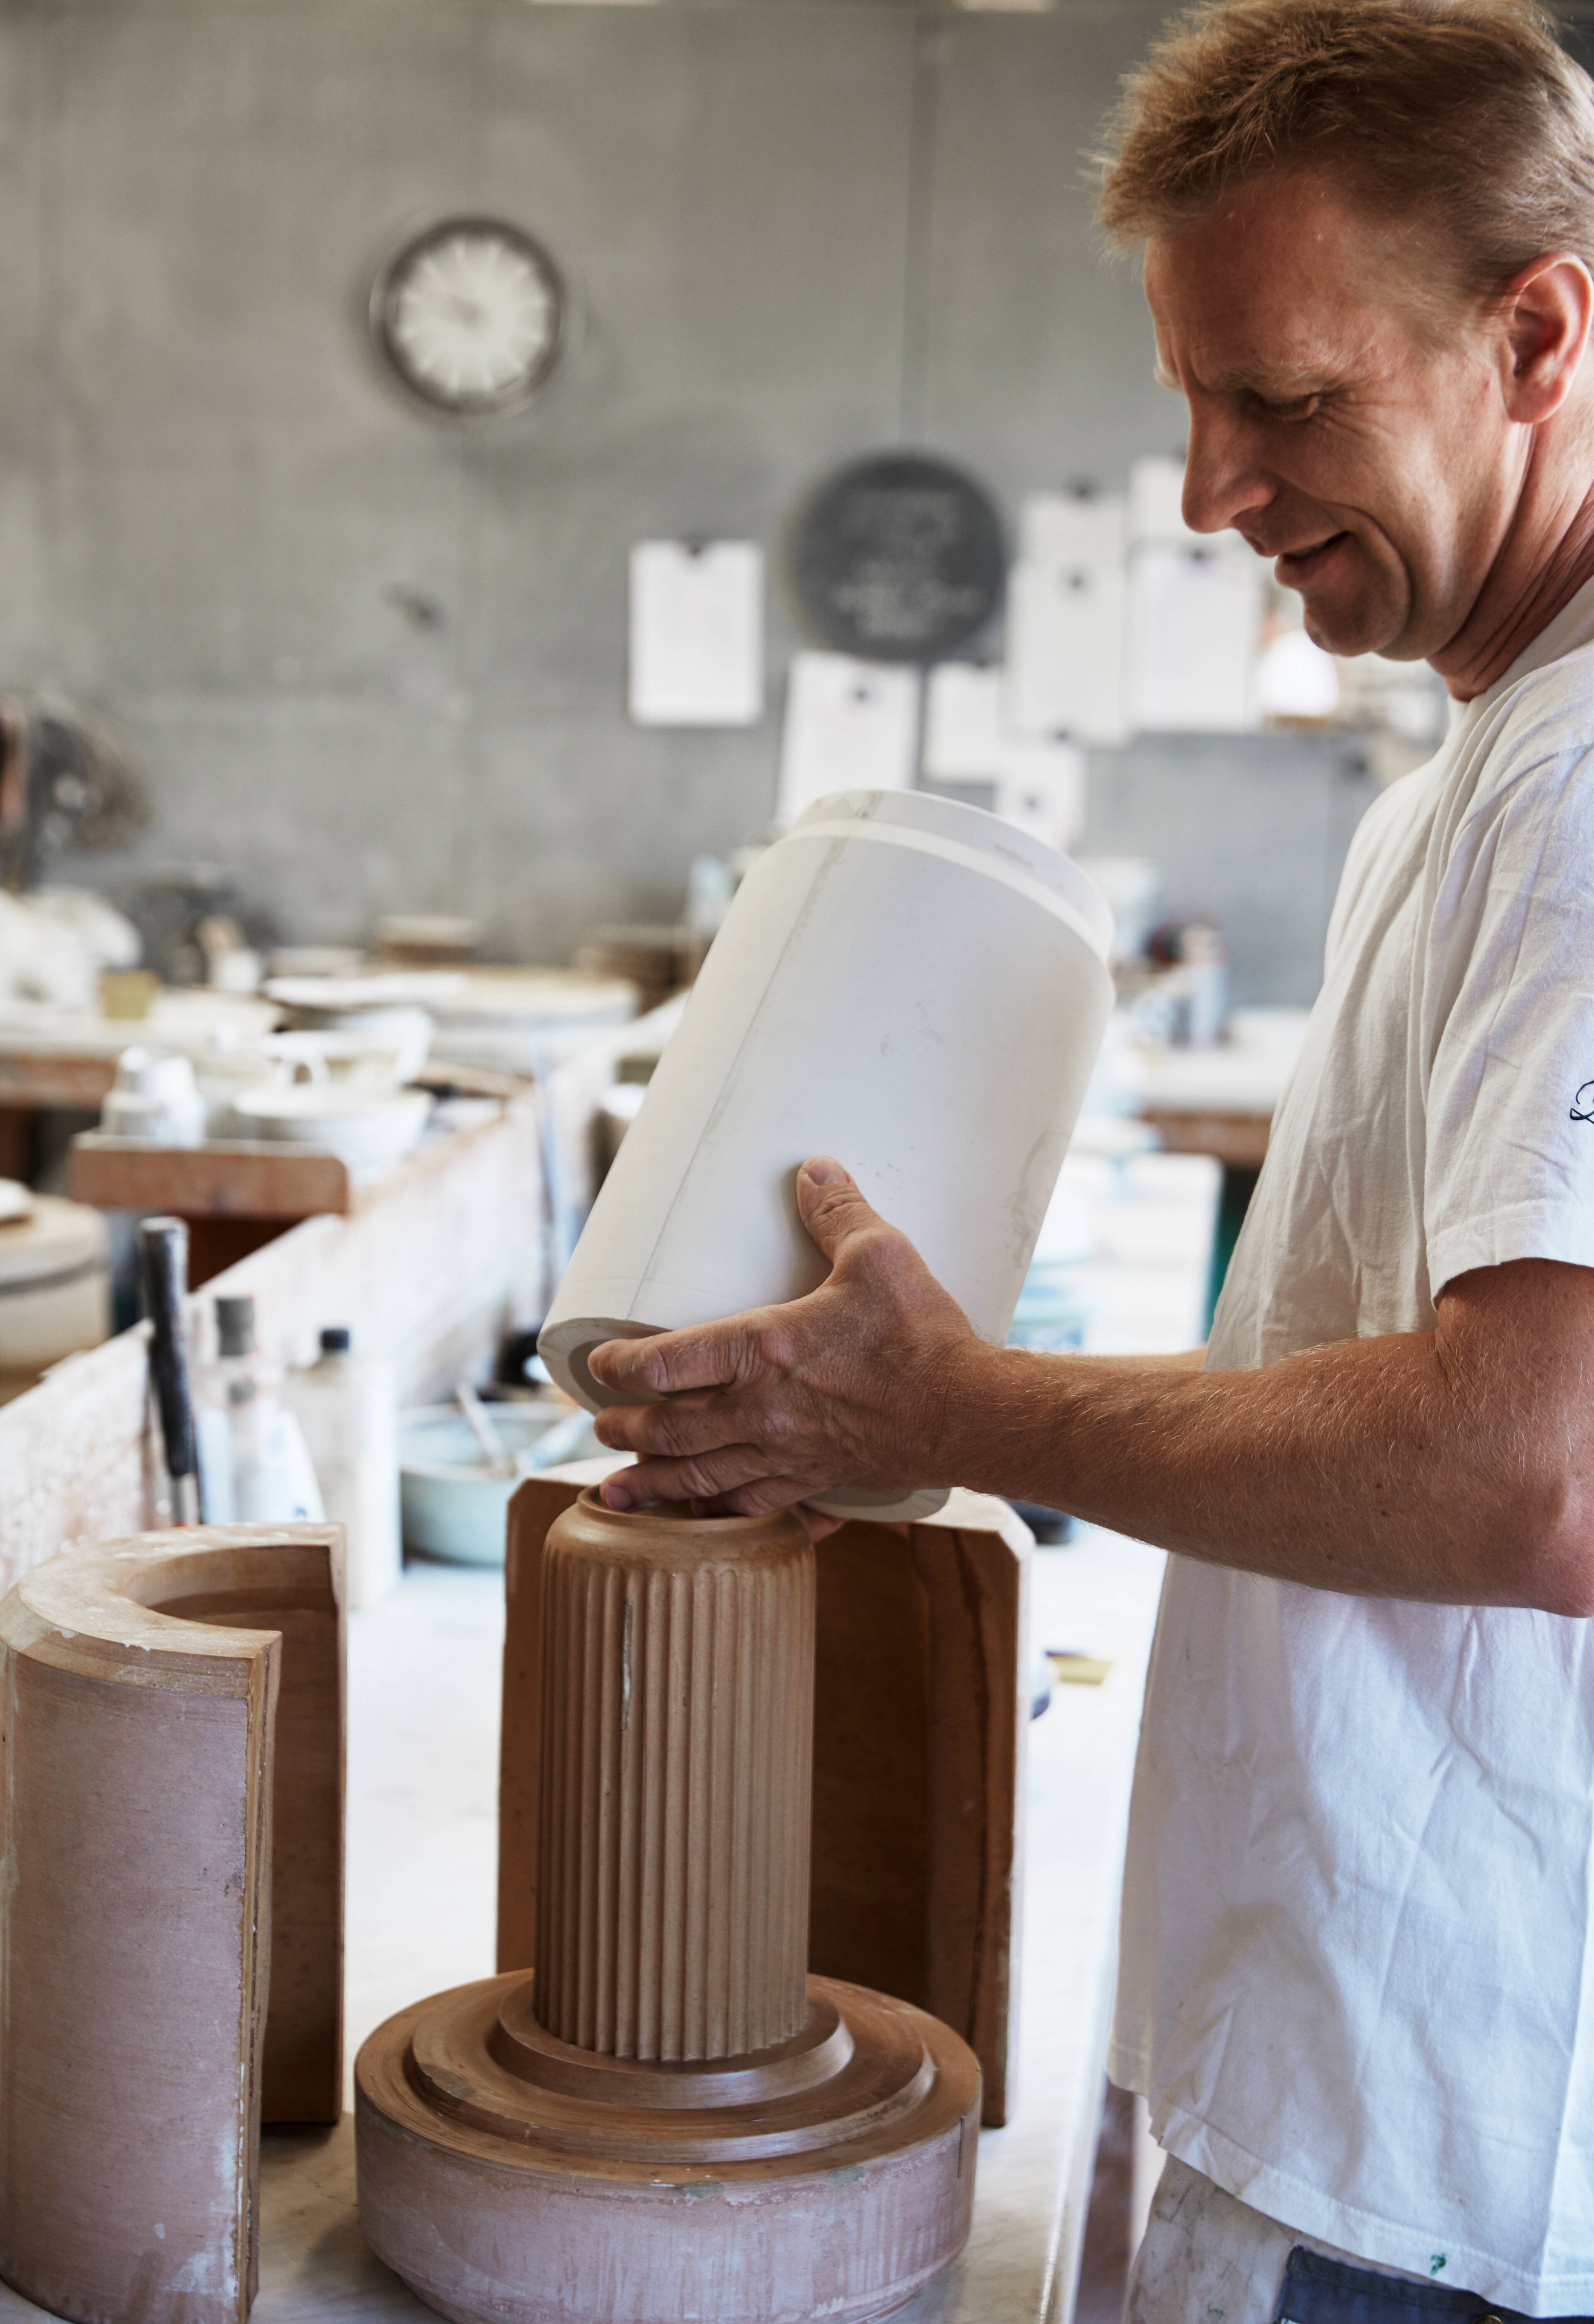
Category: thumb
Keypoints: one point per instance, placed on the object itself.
(831, 1205)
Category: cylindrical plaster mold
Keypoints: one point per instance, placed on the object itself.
(909, 984)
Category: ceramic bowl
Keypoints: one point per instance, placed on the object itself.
(454, 1505)
(369, 1060)
(394, 1010)
(404, 1031)
(370, 1130)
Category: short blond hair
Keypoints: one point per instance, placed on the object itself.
(1465, 117)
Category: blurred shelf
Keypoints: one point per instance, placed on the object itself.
(1238, 1140)
(238, 1180)
(73, 1078)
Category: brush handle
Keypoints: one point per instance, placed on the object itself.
(163, 1269)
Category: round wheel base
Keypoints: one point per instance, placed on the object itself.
(512, 2178)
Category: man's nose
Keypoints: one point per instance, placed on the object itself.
(1224, 480)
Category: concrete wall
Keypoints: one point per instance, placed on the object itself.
(794, 232)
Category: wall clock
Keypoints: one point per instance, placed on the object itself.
(899, 557)
(470, 315)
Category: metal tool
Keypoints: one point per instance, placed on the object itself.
(163, 1270)
(495, 1450)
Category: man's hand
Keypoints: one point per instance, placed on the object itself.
(1455, 1465)
(853, 1386)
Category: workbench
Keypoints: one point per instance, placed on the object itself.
(423, 1725)
(422, 1815)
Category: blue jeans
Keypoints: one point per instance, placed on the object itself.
(1208, 2258)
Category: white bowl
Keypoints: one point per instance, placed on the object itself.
(366, 1059)
(455, 1507)
(370, 1130)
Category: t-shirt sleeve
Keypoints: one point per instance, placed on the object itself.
(1507, 1024)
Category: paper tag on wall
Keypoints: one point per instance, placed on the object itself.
(1041, 788)
(849, 725)
(696, 634)
(1066, 641)
(1195, 625)
(1068, 529)
(964, 728)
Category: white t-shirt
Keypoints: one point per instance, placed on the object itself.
(1358, 1980)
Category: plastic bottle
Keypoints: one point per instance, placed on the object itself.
(253, 1466)
(345, 1405)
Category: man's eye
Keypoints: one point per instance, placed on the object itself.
(1291, 407)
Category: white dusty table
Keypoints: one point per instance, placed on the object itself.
(423, 1778)
(422, 1800)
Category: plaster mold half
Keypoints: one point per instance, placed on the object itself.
(172, 1791)
(911, 985)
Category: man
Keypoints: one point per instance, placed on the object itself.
(1359, 1897)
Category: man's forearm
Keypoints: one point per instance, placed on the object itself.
(1455, 1465)
(1367, 1467)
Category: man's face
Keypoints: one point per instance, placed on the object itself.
(1329, 422)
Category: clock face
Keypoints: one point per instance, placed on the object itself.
(470, 315)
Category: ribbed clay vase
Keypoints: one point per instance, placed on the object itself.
(911, 985)
(677, 1715)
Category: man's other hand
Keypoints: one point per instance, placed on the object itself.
(855, 1385)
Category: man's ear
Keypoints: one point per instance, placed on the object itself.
(1547, 312)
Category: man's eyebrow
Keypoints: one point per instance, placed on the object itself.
(1274, 382)
(1164, 377)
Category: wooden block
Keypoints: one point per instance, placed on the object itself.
(242, 1180)
(920, 1734)
(172, 1789)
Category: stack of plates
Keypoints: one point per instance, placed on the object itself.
(520, 1020)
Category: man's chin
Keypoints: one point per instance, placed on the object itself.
(1350, 629)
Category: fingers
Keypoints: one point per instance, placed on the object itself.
(709, 1355)
(759, 1498)
(704, 1476)
(830, 1206)
(674, 1428)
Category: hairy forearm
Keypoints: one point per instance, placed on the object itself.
(1369, 1467)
